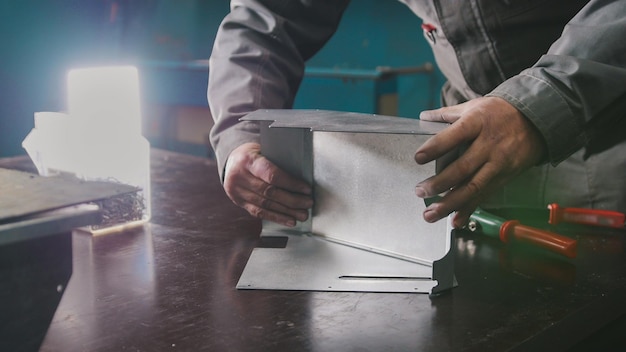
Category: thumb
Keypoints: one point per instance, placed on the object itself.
(445, 114)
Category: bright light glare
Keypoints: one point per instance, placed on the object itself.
(106, 99)
(100, 136)
(104, 104)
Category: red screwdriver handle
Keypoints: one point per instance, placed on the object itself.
(549, 240)
(594, 217)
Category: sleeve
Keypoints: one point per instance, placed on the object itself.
(258, 60)
(576, 92)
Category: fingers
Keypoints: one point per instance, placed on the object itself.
(464, 197)
(436, 146)
(264, 190)
(502, 143)
(445, 114)
(266, 171)
(450, 138)
(455, 173)
(463, 192)
(268, 209)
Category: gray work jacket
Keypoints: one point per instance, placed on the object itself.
(562, 63)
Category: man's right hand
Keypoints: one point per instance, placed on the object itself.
(254, 183)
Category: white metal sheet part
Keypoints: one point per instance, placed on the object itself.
(366, 232)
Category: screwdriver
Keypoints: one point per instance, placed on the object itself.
(594, 217)
(495, 226)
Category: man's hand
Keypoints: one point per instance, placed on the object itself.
(501, 143)
(265, 191)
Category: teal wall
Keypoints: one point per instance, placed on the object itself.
(41, 40)
(375, 33)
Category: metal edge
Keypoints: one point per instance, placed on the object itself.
(50, 223)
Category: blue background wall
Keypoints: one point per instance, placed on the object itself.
(42, 40)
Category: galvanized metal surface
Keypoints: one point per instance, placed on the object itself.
(366, 232)
(309, 262)
(339, 121)
(365, 195)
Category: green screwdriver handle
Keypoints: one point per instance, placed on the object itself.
(494, 226)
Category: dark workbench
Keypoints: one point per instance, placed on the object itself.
(171, 287)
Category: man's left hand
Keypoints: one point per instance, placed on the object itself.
(501, 143)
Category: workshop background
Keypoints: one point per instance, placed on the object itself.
(378, 62)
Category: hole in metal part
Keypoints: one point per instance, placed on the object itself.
(386, 278)
(273, 242)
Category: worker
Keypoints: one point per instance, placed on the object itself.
(535, 96)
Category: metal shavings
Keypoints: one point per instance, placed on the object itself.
(121, 209)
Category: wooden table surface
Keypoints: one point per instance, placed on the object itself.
(170, 286)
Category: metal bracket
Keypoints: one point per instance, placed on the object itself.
(365, 232)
